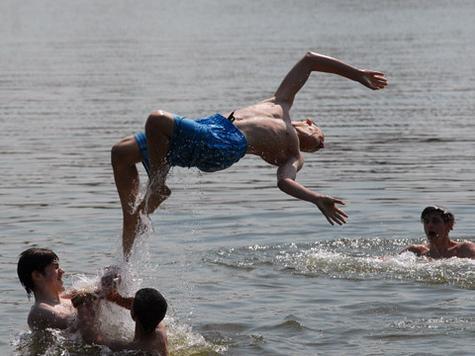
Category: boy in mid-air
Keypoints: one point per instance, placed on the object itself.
(216, 142)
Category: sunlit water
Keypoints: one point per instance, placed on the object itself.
(245, 269)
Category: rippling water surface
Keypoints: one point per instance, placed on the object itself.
(246, 270)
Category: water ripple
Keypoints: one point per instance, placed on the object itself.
(353, 259)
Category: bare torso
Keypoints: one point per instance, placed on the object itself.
(269, 132)
(155, 346)
(43, 315)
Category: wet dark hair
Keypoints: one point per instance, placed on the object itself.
(149, 308)
(446, 215)
(33, 259)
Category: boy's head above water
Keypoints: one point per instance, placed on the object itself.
(39, 265)
(437, 221)
(149, 308)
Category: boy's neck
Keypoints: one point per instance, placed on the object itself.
(442, 245)
(142, 335)
(47, 297)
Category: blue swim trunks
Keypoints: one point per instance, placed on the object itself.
(210, 143)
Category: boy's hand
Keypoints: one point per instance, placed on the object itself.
(373, 80)
(110, 280)
(82, 298)
(327, 206)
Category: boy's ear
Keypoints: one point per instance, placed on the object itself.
(36, 276)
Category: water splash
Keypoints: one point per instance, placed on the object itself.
(115, 322)
(351, 259)
(51, 342)
(184, 341)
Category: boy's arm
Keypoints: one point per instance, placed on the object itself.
(86, 307)
(87, 323)
(298, 75)
(69, 294)
(286, 175)
(418, 250)
(109, 282)
(88, 326)
(124, 302)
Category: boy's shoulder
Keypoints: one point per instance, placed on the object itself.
(466, 249)
(43, 315)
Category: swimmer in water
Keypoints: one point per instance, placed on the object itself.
(438, 222)
(147, 308)
(216, 142)
(40, 273)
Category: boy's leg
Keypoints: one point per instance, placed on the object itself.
(124, 157)
(158, 129)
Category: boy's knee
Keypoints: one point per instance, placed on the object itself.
(158, 123)
(124, 152)
(117, 154)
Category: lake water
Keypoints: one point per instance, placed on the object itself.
(247, 270)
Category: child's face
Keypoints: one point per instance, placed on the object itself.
(311, 137)
(52, 277)
(435, 227)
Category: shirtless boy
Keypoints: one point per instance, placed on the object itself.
(438, 222)
(216, 142)
(39, 272)
(147, 309)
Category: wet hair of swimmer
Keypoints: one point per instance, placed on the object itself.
(149, 308)
(33, 259)
(446, 215)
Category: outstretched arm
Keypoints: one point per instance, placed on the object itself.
(286, 175)
(418, 250)
(314, 62)
(124, 302)
(86, 305)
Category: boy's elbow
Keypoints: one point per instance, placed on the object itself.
(283, 184)
(311, 55)
(308, 57)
